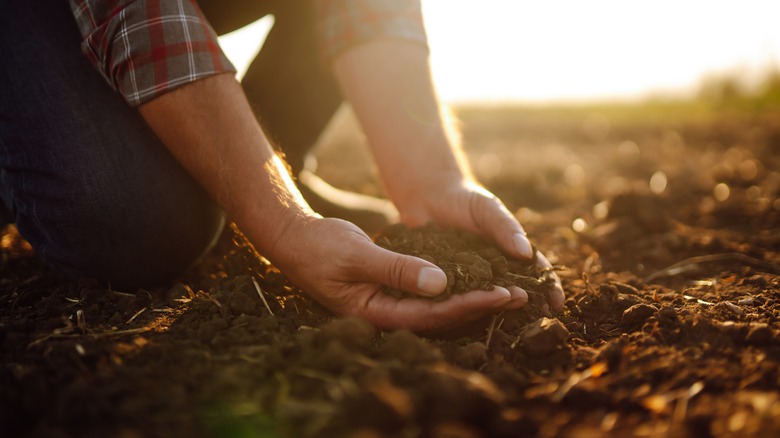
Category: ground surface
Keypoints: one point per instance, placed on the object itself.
(664, 230)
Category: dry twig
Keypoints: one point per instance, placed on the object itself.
(490, 330)
(136, 315)
(66, 333)
(262, 297)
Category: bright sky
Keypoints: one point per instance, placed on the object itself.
(509, 50)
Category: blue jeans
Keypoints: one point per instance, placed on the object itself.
(87, 183)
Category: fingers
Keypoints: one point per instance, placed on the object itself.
(378, 265)
(557, 296)
(493, 219)
(519, 298)
(422, 315)
(497, 222)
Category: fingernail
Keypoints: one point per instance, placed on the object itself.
(519, 297)
(522, 245)
(557, 299)
(518, 293)
(431, 281)
(505, 297)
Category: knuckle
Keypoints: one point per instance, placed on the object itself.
(395, 271)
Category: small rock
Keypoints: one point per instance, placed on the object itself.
(637, 315)
(544, 336)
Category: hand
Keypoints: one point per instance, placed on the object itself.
(339, 266)
(461, 203)
(388, 82)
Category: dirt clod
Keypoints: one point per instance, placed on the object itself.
(637, 314)
(544, 336)
(206, 359)
(759, 333)
(469, 262)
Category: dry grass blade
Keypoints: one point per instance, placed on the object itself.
(81, 321)
(136, 315)
(214, 300)
(122, 294)
(490, 331)
(262, 297)
(163, 310)
(66, 333)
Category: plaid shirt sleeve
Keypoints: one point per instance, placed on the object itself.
(145, 48)
(346, 23)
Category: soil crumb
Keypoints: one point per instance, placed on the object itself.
(469, 262)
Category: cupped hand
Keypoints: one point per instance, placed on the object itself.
(464, 204)
(339, 266)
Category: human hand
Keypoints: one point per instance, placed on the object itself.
(462, 203)
(339, 266)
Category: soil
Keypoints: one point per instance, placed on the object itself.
(469, 262)
(666, 236)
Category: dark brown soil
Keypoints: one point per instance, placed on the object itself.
(671, 325)
(469, 262)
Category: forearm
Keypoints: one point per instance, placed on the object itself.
(210, 129)
(389, 84)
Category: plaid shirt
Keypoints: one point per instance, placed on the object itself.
(145, 48)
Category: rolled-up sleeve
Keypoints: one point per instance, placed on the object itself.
(346, 23)
(145, 48)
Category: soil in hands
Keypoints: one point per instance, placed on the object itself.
(469, 262)
(671, 326)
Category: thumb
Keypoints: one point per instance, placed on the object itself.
(498, 223)
(408, 273)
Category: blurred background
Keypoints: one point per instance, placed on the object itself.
(509, 50)
(567, 107)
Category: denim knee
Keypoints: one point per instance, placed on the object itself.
(86, 181)
(147, 253)
(126, 235)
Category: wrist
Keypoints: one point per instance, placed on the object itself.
(267, 217)
(418, 203)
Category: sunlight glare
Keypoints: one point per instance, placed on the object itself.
(499, 50)
(564, 50)
(242, 45)
(658, 182)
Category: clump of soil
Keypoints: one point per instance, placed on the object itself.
(469, 262)
(670, 328)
